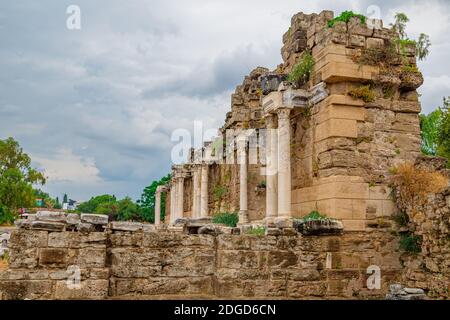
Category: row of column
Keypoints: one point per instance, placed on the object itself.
(278, 177)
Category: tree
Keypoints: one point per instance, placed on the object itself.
(423, 46)
(128, 210)
(57, 204)
(17, 178)
(92, 205)
(400, 24)
(443, 148)
(147, 201)
(435, 131)
(429, 127)
(65, 198)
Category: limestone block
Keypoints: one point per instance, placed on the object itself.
(236, 259)
(21, 238)
(304, 289)
(126, 226)
(76, 239)
(23, 258)
(340, 112)
(73, 218)
(47, 225)
(345, 71)
(354, 225)
(89, 289)
(89, 257)
(356, 27)
(356, 41)
(51, 216)
(136, 262)
(123, 239)
(53, 257)
(96, 219)
(85, 227)
(336, 128)
(24, 289)
(373, 43)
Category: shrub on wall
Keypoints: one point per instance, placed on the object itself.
(345, 17)
(226, 218)
(301, 72)
(410, 243)
(364, 93)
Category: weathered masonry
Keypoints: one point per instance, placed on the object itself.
(323, 149)
(130, 261)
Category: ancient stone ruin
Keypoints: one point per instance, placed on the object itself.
(289, 146)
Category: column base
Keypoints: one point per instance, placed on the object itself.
(243, 216)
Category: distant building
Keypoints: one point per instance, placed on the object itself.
(70, 205)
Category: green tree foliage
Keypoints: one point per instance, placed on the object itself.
(147, 201)
(92, 205)
(423, 44)
(17, 178)
(399, 25)
(345, 17)
(443, 139)
(429, 126)
(57, 204)
(301, 72)
(435, 131)
(65, 200)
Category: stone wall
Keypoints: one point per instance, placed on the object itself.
(144, 263)
(429, 269)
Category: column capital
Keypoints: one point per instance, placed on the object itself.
(271, 121)
(283, 113)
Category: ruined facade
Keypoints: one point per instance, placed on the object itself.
(328, 151)
(321, 146)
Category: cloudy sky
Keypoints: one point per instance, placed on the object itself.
(96, 107)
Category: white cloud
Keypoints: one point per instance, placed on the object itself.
(68, 167)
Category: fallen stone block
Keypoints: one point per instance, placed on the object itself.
(318, 227)
(96, 219)
(47, 225)
(85, 227)
(126, 226)
(73, 219)
(211, 229)
(146, 227)
(23, 223)
(51, 216)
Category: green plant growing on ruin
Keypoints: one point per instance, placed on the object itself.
(422, 45)
(443, 139)
(301, 72)
(364, 93)
(410, 68)
(399, 24)
(258, 231)
(382, 56)
(314, 215)
(429, 129)
(345, 17)
(220, 191)
(261, 185)
(226, 218)
(410, 243)
(401, 219)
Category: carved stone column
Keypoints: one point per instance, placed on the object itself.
(284, 163)
(271, 169)
(180, 196)
(243, 172)
(158, 205)
(173, 201)
(196, 191)
(204, 191)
